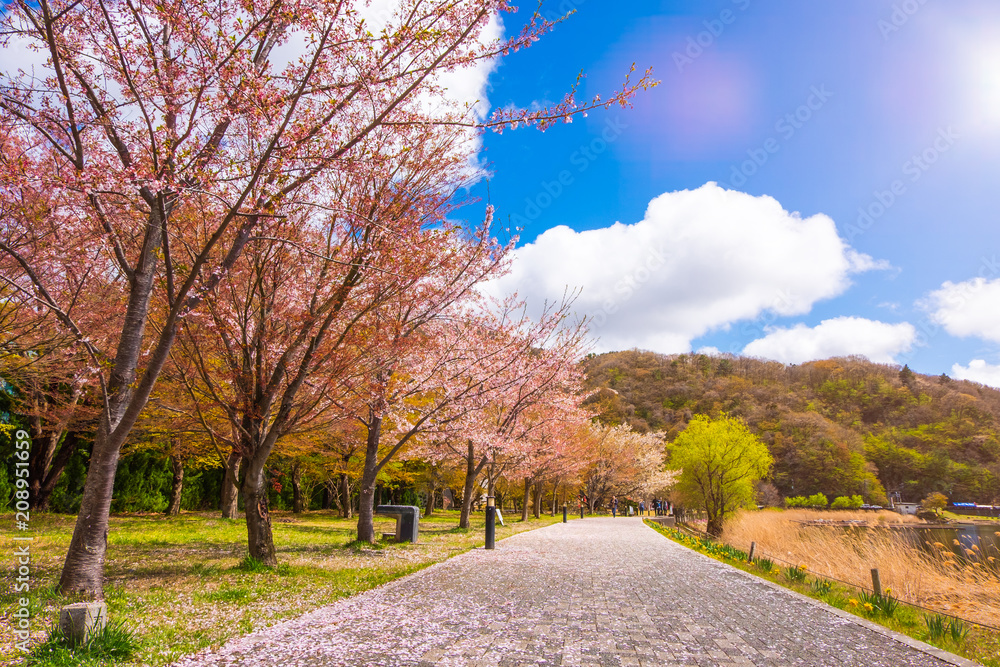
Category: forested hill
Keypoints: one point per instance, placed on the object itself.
(840, 426)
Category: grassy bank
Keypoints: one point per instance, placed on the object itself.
(182, 583)
(930, 574)
(965, 639)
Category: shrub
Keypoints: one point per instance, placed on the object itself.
(817, 500)
(935, 502)
(847, 503)
(796, 501)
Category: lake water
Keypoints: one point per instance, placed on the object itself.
(968, 535)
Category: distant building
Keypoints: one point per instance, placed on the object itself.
(907, 508)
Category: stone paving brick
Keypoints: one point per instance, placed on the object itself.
(592, 593)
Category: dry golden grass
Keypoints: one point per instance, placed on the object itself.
(968, 587)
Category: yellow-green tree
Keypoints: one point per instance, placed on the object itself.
(720, 461)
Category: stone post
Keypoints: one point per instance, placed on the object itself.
(82, 620)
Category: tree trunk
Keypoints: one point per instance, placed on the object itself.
(126, 395)
(429, 509)
(45, 464)
(527, 499)
(260, 541)
(538, 500)
(327, 496)
(83, 571)
(43, 494)
(230, 487)
(714, 527)
(298, 506)
(471, 472)
(174, 506)
(366, 495)
(346, 507)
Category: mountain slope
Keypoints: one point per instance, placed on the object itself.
(840, 426)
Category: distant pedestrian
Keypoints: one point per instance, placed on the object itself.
(642, 507)
(614, 507)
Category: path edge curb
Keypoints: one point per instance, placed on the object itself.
(923, 647)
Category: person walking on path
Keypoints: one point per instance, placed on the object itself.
(642, 508)
(614, 506)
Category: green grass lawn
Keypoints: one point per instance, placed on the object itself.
(178, 584)
(980, 644)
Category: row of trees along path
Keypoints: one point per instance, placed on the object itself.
(182, 197)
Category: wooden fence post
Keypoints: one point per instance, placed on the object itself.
(876, 583)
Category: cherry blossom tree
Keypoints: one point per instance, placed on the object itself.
(538, 365)
(171, 136)
(624, 463)
(552, 449)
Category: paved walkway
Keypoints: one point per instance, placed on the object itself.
(594, 592)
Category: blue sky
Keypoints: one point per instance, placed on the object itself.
(833, 108)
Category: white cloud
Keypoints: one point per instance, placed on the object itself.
(838, 337)
(19, 53)
(709, 350)
(978, 371)
(968, 308)
(463, 87)
(700, 260)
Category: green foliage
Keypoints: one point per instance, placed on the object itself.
(817, 501)
(252, 565)
(765, 565)
(847, 503)
(935, 626)
(6, 489)
(935, 502)
(202, 489)
(796, 574)
(882, 604)
(69, 489)
(142, 483)
(720, 461)
(958, 630)
(842, 427)
(939, 629)
(114, 644)
(822, 586)
(796, 501)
